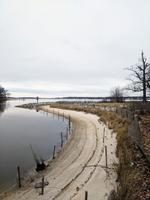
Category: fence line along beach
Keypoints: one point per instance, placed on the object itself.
(83, 169)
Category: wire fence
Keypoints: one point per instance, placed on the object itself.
(134, 129)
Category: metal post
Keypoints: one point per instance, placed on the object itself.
(42, 192)
(61, 139)
(66, 133)
(54, 152)
(104, 135)
(106, 155)
(19, 177)
(69, 124)
(86, 195)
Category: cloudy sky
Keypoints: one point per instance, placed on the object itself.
(70, 47)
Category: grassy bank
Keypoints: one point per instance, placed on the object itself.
(132, 170)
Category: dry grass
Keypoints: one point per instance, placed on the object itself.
(133, 173)
(140, 108)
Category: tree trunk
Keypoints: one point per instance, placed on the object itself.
(144, 78)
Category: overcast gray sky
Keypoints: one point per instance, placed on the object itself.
(70, 47)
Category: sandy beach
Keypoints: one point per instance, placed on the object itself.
(81, 164)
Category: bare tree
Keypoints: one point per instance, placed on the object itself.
(140, 77)
(116, 94)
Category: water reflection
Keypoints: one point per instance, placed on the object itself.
(2, 106)
(18, 129)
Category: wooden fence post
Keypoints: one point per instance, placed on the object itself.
(42, 192)
(66, 133)
(69, 124)
(19, 177)
(61, 139)
(86, 195)
(104, 135)
(54, 152)
(106, 156)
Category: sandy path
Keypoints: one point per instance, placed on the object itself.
(79, 166)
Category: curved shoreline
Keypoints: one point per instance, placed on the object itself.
(79, 166)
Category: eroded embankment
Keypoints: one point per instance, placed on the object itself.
(81, 164)
(133, 169)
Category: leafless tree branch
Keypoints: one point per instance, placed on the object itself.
(140, 77)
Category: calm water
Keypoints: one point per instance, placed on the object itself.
(18, 129)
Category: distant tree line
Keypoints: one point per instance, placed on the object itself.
(3, 93)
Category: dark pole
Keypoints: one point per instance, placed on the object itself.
(54, 152)
(37, 98)
(19, 177)
(66, 133)
(69, 124)
(42, 192)
(86, 195)
(106, 156)
(61, 139)
(104, 135)
(144, 77)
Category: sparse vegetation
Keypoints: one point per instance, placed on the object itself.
(116, 95)
(132, 170)
(140, 108)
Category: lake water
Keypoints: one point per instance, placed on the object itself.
(20, 128)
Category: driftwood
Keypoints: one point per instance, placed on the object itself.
(39, 185)
(40, 165)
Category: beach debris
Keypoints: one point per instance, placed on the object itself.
(39, 185)
(40, 163)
